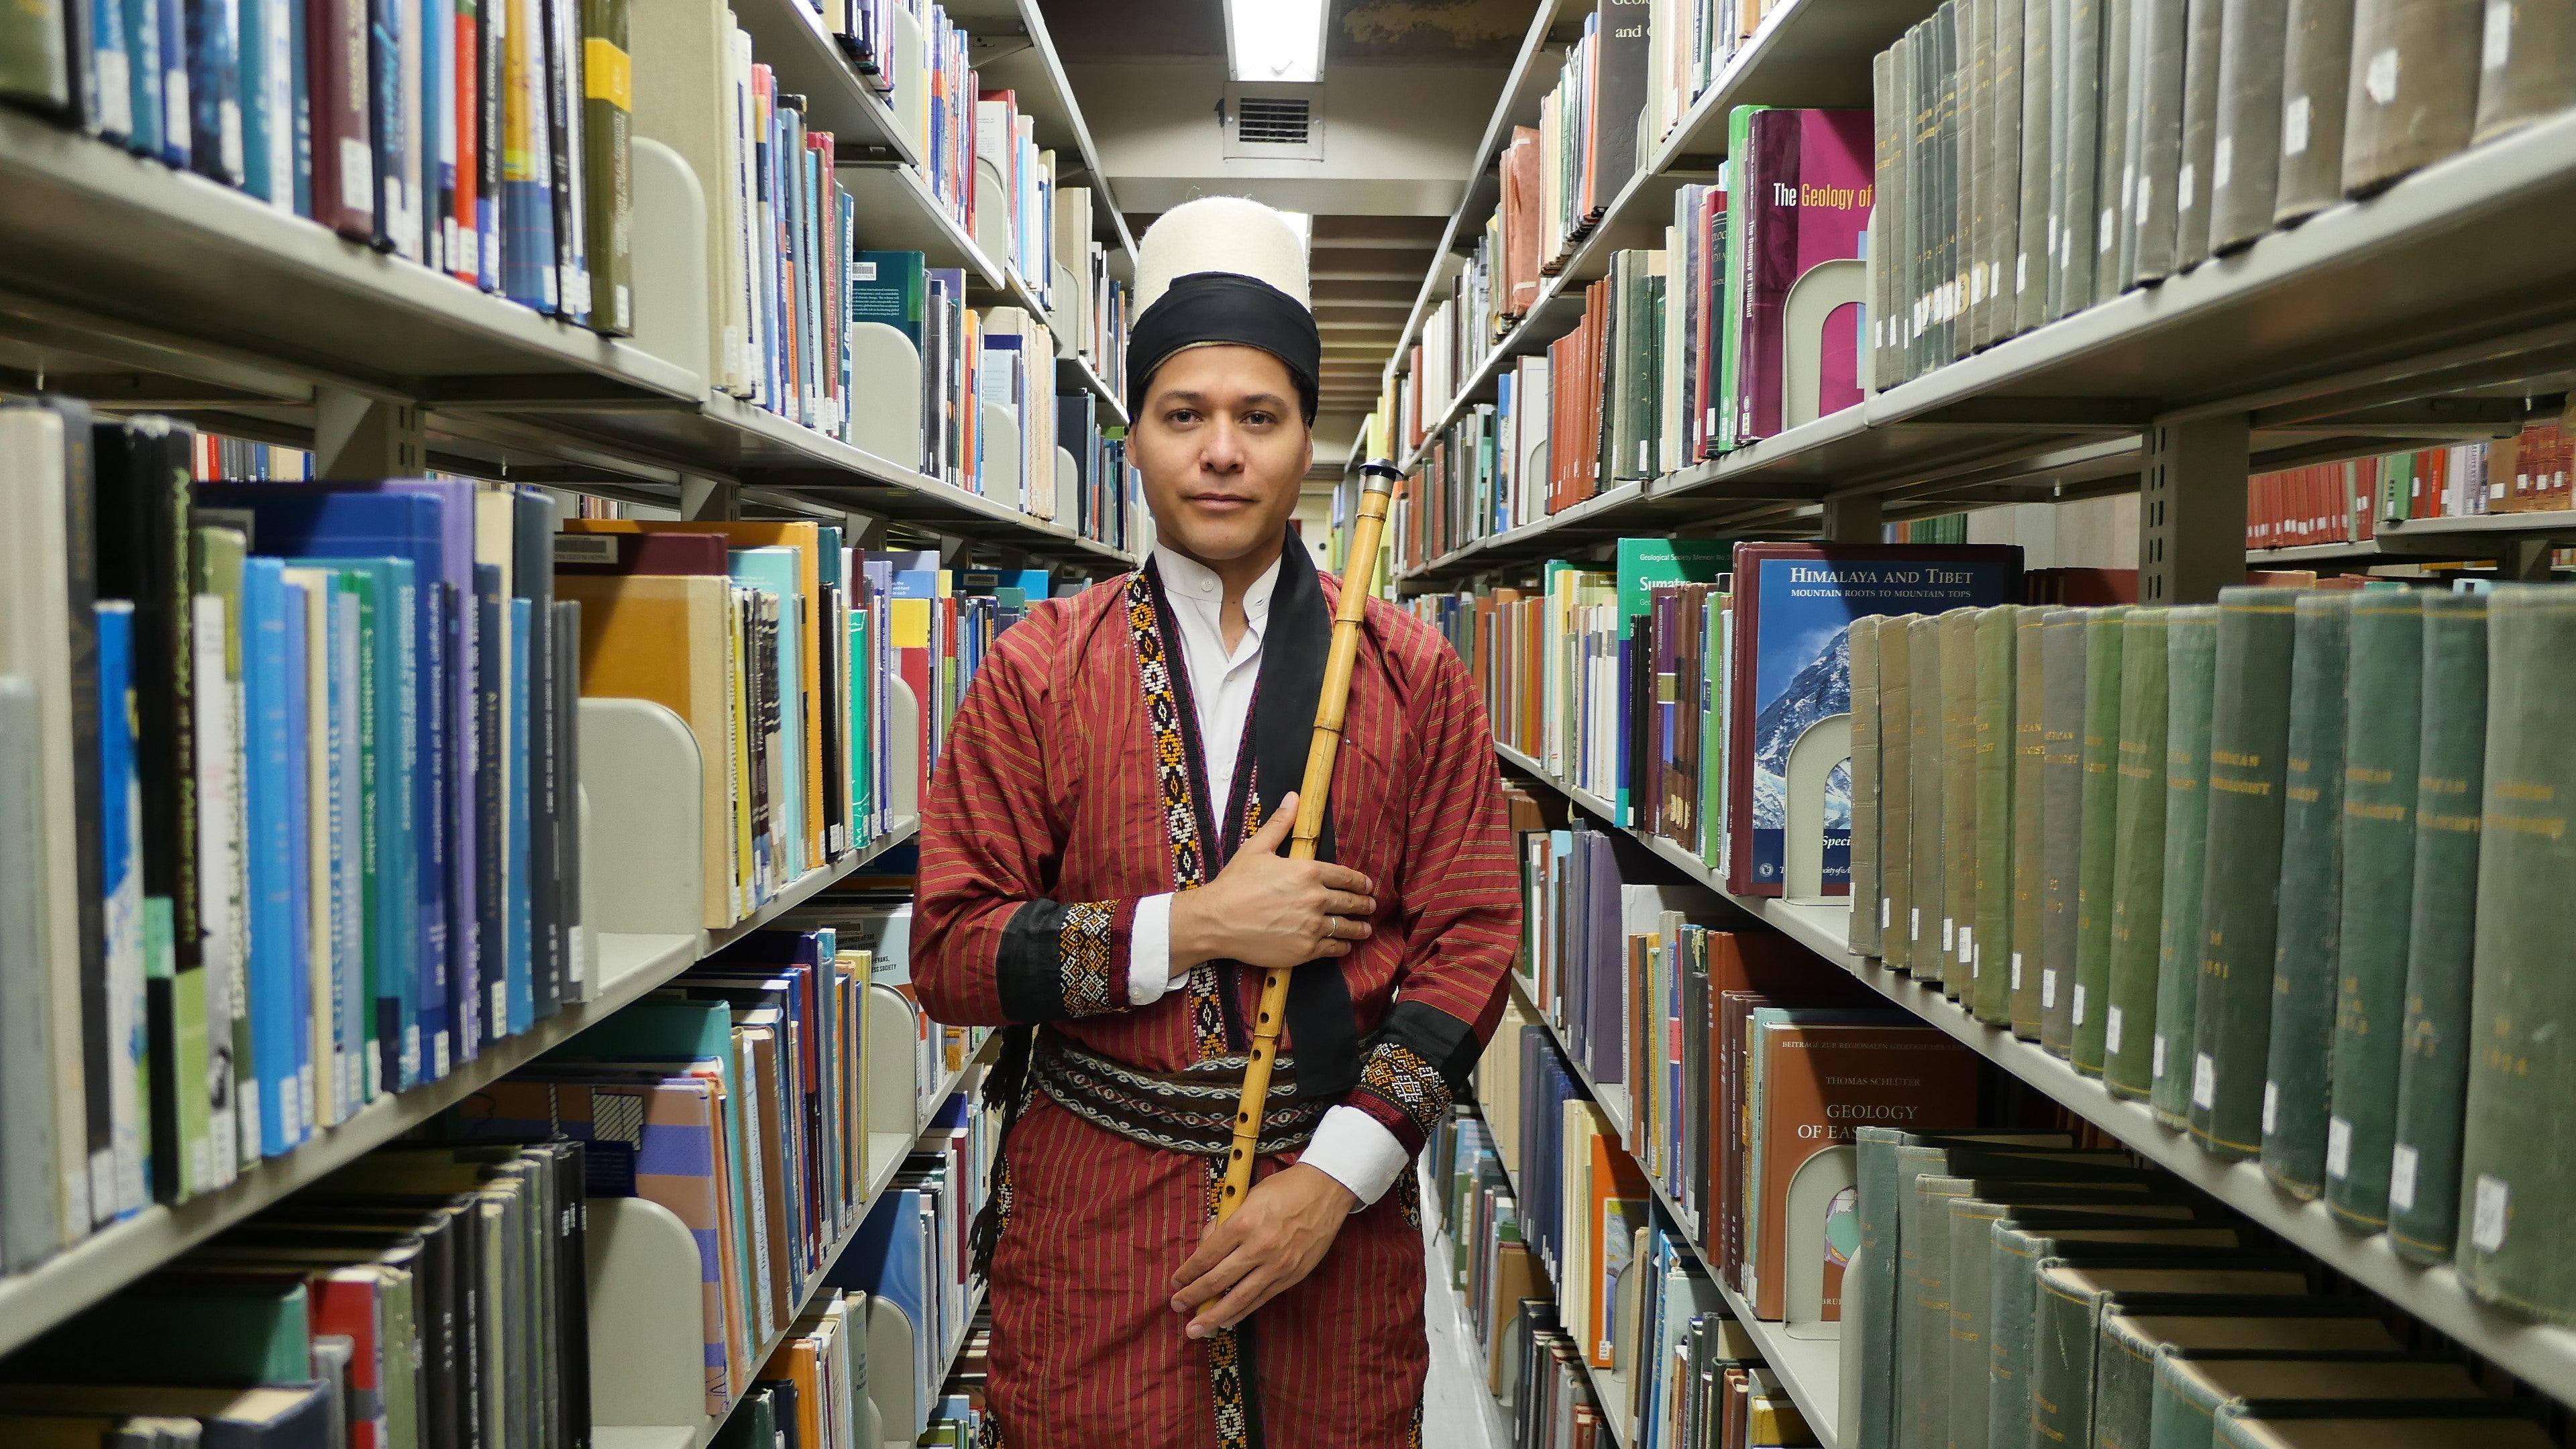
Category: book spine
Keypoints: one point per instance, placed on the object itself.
(486, 1012)
(1923, 917)
(2526, 67)
(2202, 22)
(2383, 746)
(515, 997)
(2078, 154)
(2063, 642)
(580, 979)
(2030, 797)
(2097, 838)
(2191, 661)
(2314, 66)
(2110, 195)
(2412, 90)
(1864, 786)
(2245, 162)
(2310, 904)
(2063, 1324)
(1990, 980)
(119, 846)
(1896, 789)
(2513, 1248)
(2248, 734)
(533, 760)
(2434, 1040)
(2031, 241)
(2138, 859)
(2002, 232)
(1958, 796)
(2158, 153)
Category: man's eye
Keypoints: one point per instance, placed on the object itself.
(1180, 415)
(1258, 418)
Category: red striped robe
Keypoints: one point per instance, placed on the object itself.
(1049, 791)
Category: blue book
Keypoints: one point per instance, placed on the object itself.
(386, 121)
(120, 880)
(491, 694)
(299, 106)
(436, 27)
(169, 36)
(270, 850)
(254, 67)
(362, 521)
(214, 89)
(141, 22)
(348, 885)
(387, 816)
(109, 102)
(295, 1111)
(521, 994)
(777, 571)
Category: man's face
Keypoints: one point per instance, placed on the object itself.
(1223, 448)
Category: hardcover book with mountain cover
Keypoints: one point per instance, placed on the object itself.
(1790, 670)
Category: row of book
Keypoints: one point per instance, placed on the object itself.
(1681, 353)
(2037, 160)
(2278, 867)
(290, 812)
(2345, 502)
(428, 1295)
(1593, 1313)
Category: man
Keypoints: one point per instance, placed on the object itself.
(1100, 861)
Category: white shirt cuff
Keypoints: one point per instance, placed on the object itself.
(1149, 952)
(1355, 1149)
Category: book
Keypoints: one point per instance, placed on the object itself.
(2158, 46)
(2068, 1312)
(2203, 25)
(2035, 235)
(2063, 640)
(1806, 188)
(1923, 916)
(2526, 69)
(2245, 164)
(1896, 787)
(2509, 1251)
(1991, 948)
(2029, 828)
(2137, 875)
(2105, 634)
(2306, 963)
(2195, 1392)
(2382, 1424)
(2249, 730)
(2191, 662)
(2315, 67)
(2412, 89)
(1867, 896)
(1958, 795)
(2433, 1064)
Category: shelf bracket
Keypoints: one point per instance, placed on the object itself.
(2526, 560)
(2191, 508)
(359, 436)
(1854, 518)
(710, 500)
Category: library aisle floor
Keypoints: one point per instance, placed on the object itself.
(1457, 1412)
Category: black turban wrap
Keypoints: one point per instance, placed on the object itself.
(1226, 307)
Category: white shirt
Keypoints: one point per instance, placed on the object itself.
(1349, 1145)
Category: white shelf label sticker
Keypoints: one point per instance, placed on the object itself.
(2271, 1106)
(2075, 1014)
(1949, 936)
(2492, 1205)
(1968, 946)
(2294, 127)
(2016, 971)
(2401, 1179)
(2157, 1047)
(357, 175)
(2111, 1030)
(1914, 923)
(2204, 1081)
(1885, 907)
(2182, 188)
(2499, 38)
(2048, 988)
(2338, 1148)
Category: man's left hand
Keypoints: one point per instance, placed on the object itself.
(1272, 1242)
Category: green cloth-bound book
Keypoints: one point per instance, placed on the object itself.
(2138, 863)
(1862, 650)
(2249, 729)
(2517, 1174)
(2187, 1395)
(1958, 793)
(1895, 788)
(2080, 1001)
(2191, 666)
(2062, 645)
(2066, 1319)
(2030, 735)
(2305, 956)
(1989, 976)
(1923, 914)
(2433, 1066)
(2382, 748)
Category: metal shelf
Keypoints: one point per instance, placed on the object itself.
(2541, 1354)
(1077, 372)
(107, 1260)
(1034, 73)
(788, 37)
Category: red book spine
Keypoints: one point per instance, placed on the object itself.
(344, 170)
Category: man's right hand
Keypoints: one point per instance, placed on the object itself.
(1268, 911)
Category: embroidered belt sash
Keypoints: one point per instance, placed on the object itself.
(1188, 1111)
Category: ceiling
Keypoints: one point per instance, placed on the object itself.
(1367, 264)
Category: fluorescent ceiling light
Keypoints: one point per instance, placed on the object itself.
(1279, 41)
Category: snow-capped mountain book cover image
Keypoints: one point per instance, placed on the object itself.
(1794, 603)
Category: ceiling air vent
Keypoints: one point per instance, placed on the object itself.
(1274, 123)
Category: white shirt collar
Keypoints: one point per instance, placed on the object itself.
(1187, 581)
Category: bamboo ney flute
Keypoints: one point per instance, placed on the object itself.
(1377, 491)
